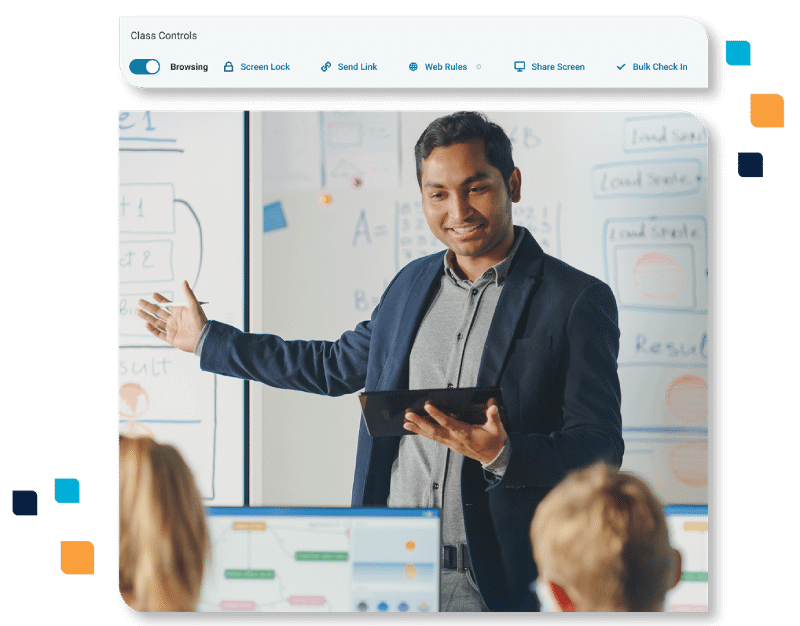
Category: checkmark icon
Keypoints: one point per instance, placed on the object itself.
(619, 67)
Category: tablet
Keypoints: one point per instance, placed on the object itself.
(384, 411)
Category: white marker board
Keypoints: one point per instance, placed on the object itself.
(622, 196)
(181, 216)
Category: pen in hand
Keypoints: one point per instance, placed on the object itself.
(166, 305)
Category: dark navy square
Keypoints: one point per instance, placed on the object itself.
(751, 165)
(23, 502)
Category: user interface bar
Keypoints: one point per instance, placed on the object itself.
(414, 52)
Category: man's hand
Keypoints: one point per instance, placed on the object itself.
(180, 326)
(482, 442)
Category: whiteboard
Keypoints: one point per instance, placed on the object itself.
(181, 216)
(620, 195)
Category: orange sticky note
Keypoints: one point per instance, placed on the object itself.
(766, 110)
(77, 557)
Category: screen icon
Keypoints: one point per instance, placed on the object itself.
(519, 65)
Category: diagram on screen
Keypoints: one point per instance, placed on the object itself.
(293, 564)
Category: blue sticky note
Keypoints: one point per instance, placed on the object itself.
(737, 52)
(24, 503)
(751, 165)
(68, 490)
(273, 217)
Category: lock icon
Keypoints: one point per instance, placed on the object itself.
(229, 67)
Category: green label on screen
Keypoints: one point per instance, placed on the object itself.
(320, 556)
(250, 574)
(695, 576)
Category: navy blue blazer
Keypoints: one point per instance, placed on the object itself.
(552, 347)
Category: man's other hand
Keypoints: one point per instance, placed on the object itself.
(179, 326)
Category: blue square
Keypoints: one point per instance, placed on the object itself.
(68, 490)
(24, 503)
(273, 217)
(751, 165)
(737, 52)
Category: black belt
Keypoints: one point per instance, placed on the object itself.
(455, 557)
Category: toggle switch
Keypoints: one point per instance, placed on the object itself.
(144, 66)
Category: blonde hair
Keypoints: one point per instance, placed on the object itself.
(163, 537)
(603, 537)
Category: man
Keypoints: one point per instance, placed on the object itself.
(493, 311)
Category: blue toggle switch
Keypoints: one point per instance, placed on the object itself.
(144, 66)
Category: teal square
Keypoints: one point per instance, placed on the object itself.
(737, 52)
(68, 490)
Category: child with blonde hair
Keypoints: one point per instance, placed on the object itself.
(163, 537)
(601, 543)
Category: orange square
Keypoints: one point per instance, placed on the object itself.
(766, 110)
(77, 557)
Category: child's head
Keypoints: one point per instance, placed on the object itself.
(163, 537)
(602, 537)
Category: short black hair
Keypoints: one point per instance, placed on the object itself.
(463, 127)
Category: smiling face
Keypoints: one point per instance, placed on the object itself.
(468, 205)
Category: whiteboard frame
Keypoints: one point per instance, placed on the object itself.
(255, 481)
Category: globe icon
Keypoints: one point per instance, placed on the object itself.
(413, 67)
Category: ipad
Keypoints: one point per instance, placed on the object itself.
(384, 411)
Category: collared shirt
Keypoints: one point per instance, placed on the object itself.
(447, 352)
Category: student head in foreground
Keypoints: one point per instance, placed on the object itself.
(163, 537)
(600, 542)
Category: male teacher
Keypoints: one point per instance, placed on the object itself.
(493, 310)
